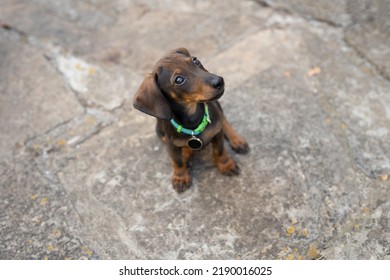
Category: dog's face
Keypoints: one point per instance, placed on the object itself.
(183, 78)
(178, 77)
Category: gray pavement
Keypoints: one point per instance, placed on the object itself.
(83, 175)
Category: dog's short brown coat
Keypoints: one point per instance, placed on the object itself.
(178, 88)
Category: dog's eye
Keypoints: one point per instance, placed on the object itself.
(195, 61)
(179, 80)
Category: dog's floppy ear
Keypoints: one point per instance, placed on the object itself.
(150, 100)
(181, 51)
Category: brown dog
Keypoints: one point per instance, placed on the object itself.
(183, 95)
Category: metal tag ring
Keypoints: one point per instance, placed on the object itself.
(195, 143)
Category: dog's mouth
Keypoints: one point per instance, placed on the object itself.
(216, 97)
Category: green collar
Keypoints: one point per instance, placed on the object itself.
(201, 127)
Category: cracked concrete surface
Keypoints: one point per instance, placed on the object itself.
(83, 175)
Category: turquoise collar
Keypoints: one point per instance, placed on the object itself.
(201, 127)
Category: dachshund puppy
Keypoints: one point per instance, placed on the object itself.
(183, 96)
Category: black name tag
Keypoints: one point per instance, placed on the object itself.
(195, 143)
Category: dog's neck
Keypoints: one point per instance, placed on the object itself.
(189, 115)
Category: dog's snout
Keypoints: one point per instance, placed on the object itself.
(217, 82)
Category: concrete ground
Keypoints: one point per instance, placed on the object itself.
(83, 175)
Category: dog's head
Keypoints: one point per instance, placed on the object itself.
(178, 77)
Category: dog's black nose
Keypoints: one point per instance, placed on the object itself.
(217, 82)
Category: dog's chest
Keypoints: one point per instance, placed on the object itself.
(181, 140)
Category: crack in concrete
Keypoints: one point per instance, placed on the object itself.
(12, 29)
(49, 53)
(378, 69)
(36, 43)
(276, 8)
(32, 138)
(280, 9)
(331, 24)
(50, 57)
(99, 129)
(45, 149)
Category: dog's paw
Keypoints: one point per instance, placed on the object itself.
(228, 167)
(239, 145)
(181, 183)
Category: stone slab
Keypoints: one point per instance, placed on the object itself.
(97, 185)
(299, 187)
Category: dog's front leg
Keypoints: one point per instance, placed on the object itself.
(236, 141)
(181, 179)
(225, 164)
